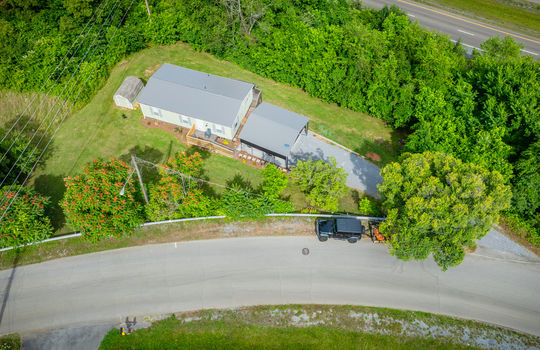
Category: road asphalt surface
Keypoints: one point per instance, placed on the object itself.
(107, 287)
(471, 32)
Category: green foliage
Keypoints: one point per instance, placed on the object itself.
(322, 182)
(274, 181)
(17, 160)
(25, 221)
(175, 196)
(10, 342)
(369, 207)
(93, 204)
(237, 204)
(437, 204)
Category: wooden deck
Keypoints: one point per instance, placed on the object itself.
(211, 144)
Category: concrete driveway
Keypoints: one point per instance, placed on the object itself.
(363, 175)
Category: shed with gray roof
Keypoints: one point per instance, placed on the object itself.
(127, 93)
(270, 133)
(187, 97)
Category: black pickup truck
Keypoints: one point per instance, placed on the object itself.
(349, 229)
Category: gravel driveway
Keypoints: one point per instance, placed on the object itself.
(363, 175)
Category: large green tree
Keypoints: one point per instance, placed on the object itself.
(322, 182)
(437, 204)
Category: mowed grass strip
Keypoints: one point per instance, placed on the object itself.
(522, 16)
(241, 329)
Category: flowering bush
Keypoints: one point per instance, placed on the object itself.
(93, 203)
(175, 197)
(25, 221)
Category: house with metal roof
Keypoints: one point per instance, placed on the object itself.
(270, 133)
(188, 98)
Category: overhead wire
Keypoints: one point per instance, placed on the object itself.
(203, 180)
(60, 124)
(54, 106)
(55, 69)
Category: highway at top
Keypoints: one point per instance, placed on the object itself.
(471, 32)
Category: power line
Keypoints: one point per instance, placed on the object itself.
(58, 65)
(58, 98)
(63, 118)
(49, 112)
(202, 180)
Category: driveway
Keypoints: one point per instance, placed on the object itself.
(107, 287)
(363, 175)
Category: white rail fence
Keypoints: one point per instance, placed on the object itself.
(78, 234)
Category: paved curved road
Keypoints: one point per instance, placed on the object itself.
(108, 286)
(472, 33)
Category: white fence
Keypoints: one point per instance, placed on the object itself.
(205, 218)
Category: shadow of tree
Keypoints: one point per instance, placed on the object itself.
(241, 182)
(149, 173)
(52, 186)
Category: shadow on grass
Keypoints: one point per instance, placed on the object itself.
(388, 151)
(240, 182)
(52, 186)
(149, 173)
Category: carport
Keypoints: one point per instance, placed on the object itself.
(271, 132)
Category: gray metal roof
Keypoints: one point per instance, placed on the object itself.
(196, 94)
(130, 88)
(273, 128)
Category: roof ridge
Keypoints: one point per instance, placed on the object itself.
(192, 88)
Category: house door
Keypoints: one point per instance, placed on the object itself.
(199, 125)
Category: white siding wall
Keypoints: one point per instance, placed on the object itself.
(185, 121)
(121, 101)
(244, 107)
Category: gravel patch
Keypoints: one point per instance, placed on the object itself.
(495, 240)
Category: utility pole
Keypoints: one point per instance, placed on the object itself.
(148, 10)
(140, 178)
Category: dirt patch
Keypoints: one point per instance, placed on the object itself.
(150, 70)
(373, 156)
(379, 140)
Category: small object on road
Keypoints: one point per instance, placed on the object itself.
(305, 251)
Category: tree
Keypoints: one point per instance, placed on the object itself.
(93, 203)
(176, 196)
(25, 221)
(274, 181)
(322, 182)
(16, 158)
(437, 204)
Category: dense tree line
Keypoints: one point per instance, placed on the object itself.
(482, 109)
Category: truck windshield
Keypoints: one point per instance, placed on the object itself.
(326, 226)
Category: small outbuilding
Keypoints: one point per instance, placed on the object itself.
(270, 133)
(127, 93)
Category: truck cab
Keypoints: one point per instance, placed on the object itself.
(339, 228)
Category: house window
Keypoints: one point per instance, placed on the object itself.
(156, 112)
(185, 119)
(219, 129)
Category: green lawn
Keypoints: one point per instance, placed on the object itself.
(98, 129)
(519, 15)
(10, 342)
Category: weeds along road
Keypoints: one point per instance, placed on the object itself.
(155, 279)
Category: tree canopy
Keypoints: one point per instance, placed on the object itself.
(322, 182)
(95, 204)
(437, 204)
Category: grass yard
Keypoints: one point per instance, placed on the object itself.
(99, 130)
(315, 327)
(519, 15)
